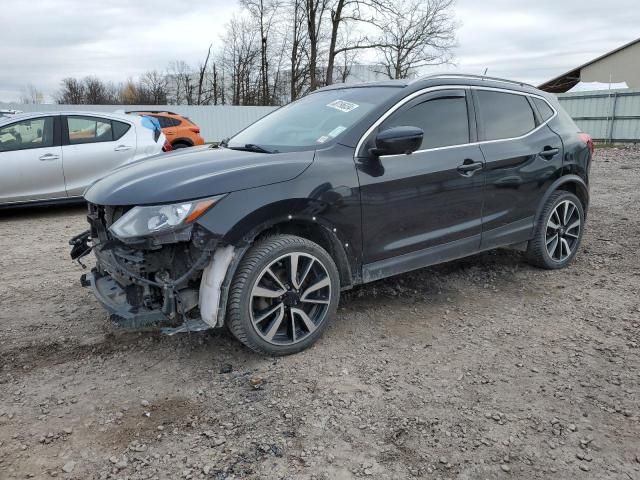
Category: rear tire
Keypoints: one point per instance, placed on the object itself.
(558, 232)
(180, 145)
(283, 295)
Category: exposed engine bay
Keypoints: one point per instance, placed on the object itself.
(154, 281)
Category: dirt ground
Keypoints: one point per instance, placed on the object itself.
(480, 368)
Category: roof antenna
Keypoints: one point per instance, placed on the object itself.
(485, 71)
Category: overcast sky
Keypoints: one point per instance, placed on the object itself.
(44, 41)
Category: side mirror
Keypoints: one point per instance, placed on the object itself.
(398, 141)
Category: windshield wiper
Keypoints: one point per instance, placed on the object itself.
(252, 147)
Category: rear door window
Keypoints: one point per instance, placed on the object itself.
(504, 115)
(89, 130)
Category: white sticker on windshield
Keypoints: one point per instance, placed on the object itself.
(343, 105)
(323, 139)
(336, 131)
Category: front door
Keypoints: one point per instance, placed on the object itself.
(425, 207)
(31, 161)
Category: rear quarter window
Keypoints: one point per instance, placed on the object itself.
(546, 112)
(119, 129)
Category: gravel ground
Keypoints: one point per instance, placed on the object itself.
(480, 368)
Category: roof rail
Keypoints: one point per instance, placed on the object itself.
(151, 111)
(473, 77)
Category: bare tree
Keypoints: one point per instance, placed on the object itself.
(240, 60)
(98, 92)
(314, 11)
(264, 13)
(72, 92)
(202, 92)
(420, 33)
(181, 75)
(275, 51)
(299, 71)
(156, 86)
(31, 95)
(344, 15)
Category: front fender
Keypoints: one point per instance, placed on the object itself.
(327, 195)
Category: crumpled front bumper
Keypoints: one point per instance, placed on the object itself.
(114, 299)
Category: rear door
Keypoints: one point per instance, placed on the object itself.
(31, 160)
(92, 147)
(523, 156)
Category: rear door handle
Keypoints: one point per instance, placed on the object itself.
(549, 152)
(48, 156)
(469, 167)
(122, 148)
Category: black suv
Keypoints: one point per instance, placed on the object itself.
(345, 186)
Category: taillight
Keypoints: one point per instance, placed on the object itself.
(194, 129)
(167, 147)
(586, 138)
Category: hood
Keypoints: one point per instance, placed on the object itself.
(194, 173)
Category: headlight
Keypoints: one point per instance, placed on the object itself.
(160, 219)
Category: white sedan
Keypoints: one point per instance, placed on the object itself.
(53, 157)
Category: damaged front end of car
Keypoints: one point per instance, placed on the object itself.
(155, 265)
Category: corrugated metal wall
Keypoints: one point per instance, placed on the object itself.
(215, 122)
(608, 116)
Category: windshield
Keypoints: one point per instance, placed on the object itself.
(311, 121)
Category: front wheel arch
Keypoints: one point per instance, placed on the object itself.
(317, 232)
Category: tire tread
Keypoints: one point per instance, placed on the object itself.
(267, 247)
(536, 248)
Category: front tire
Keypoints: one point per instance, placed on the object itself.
(283, 295)
(558, 232)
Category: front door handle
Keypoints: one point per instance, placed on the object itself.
(48, 156)
(549, 152)
(469, 167)
(122, 148)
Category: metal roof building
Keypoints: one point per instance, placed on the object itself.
(619, 65)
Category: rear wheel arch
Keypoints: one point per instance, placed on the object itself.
(569, 183)
(182, 142)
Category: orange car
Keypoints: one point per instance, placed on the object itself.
(180, 131)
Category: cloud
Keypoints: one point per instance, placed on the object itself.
(536, 41)
(45, 41)
(42, 42)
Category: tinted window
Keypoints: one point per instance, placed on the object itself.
(166, 122)
(89, 130)
(119, 129)
(443, 120)
(543, 107)
(504, 115)
(33, 133)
